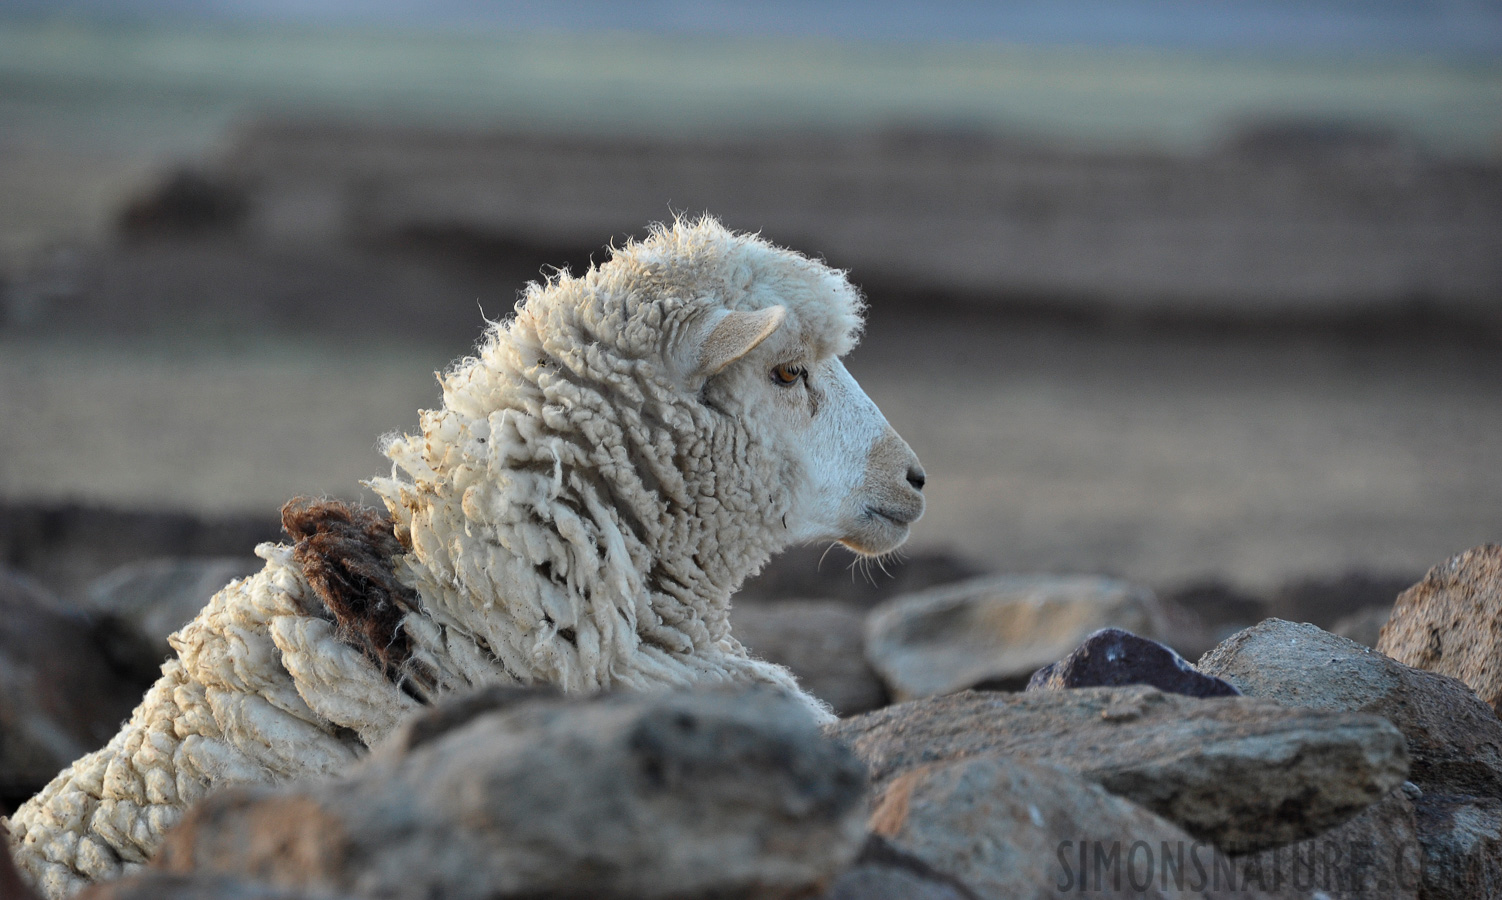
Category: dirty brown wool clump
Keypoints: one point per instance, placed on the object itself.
(345, 552)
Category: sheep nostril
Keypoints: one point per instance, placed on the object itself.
(916, 478)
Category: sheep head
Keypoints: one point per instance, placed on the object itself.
(856, 481)
(634, 442)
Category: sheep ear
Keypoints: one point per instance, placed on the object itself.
(735, 335)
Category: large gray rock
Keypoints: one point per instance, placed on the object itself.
(1375, 854)
(998, 630)
(1451, 622)
(146, 601)
(1013, 830)
(1454, 739)
(1244, 773)
(821, 642)
(1462, 842)
(729, 794)
(59, 697)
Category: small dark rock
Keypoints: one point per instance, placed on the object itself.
(1112, 657)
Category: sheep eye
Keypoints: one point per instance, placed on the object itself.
(787, 375)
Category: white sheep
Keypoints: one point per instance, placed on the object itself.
(617, 458)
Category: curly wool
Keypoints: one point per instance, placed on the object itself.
(571, 515)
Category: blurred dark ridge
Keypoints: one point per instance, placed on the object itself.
(65, 546)
(363, 230)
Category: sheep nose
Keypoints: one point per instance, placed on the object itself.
(916, 478)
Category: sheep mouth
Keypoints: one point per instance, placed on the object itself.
(900, 519)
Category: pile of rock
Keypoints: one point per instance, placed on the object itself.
(1287, 762)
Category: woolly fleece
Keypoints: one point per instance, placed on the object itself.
(578, 512)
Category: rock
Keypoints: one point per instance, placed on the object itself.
(997, 630)
(144, 602)
(1115, 658)
(1462, 842)
(1363, 626)
(1244, 773)
(172, 886)
(59, 698)
(1451, 622)
(821, 641)
(882, 872)
(1375, 854)
(726, 793)
(1010, 828)
(1454, 739)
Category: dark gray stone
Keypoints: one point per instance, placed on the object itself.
(1112, 657)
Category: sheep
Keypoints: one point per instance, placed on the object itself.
(616, 458)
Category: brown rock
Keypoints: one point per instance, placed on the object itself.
(1462, 841)
(730, 794)
(995, 631)
(1451, 622)
(1240, 772)
(821, 641)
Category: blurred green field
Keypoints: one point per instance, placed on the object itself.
(174, 89)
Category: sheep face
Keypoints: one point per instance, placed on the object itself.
(853, 479)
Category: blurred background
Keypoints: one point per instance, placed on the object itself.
(1204, 295)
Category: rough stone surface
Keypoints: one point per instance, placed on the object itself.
(996, 631)
(59, 699)
(1237, 771)
(883, 872)
(1454, 739)
(1462, 842)
(1364, 626)
(146, 601)
(821, 641)
(1013, 829)
(1451, 622)
(729, 794)
(1375, 854)
(1115, 658)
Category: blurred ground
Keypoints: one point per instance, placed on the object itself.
(1163, 457)
(1177, 317)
